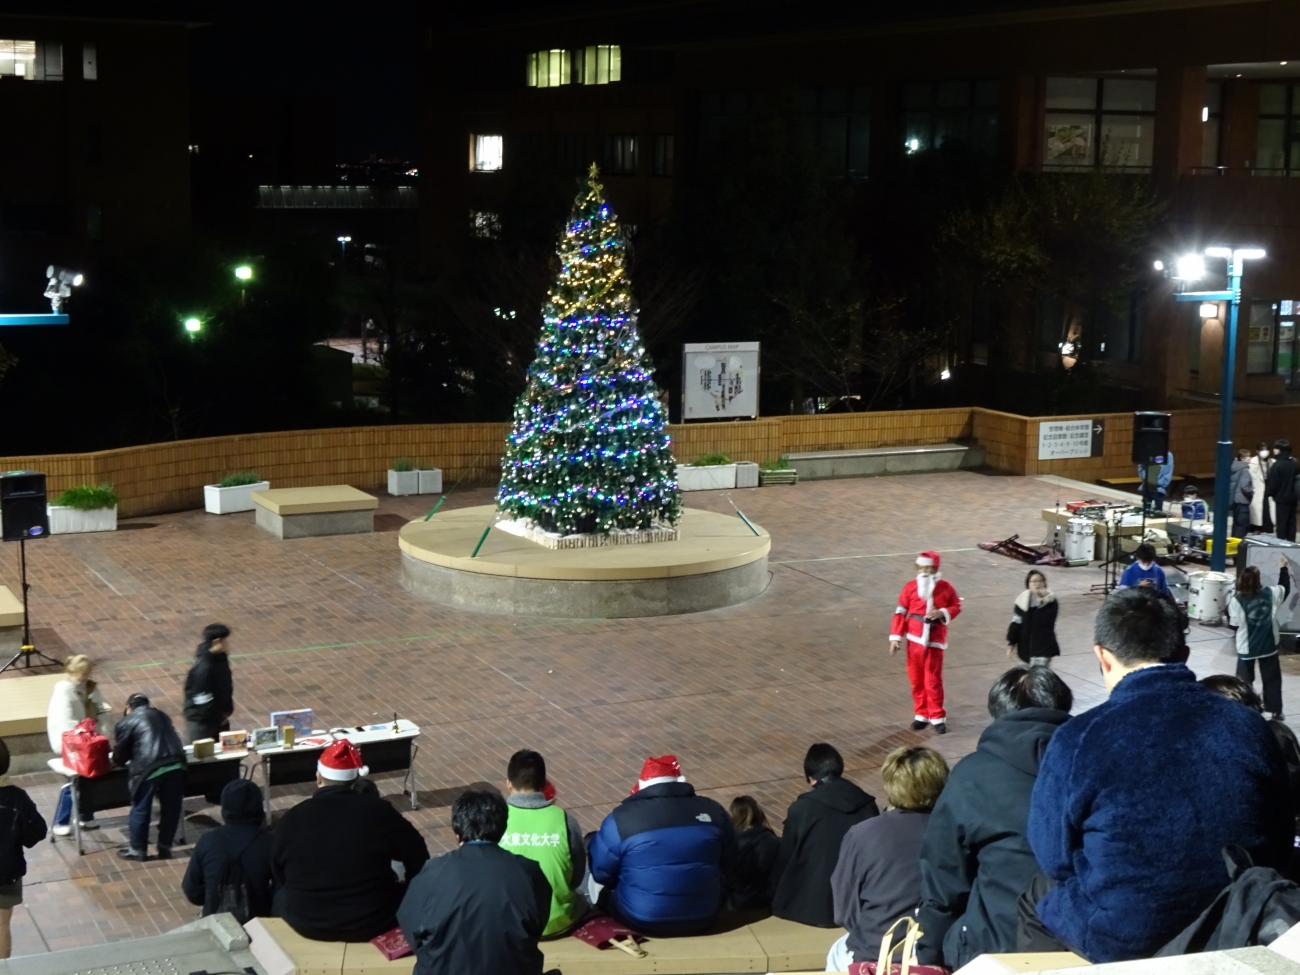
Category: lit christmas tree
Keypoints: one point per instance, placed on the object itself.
(589, 452)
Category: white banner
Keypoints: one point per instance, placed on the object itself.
(719, 380)
(1059, 439)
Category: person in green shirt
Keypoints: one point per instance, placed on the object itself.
(538, 829)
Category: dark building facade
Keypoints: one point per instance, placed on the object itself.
(1201, 95)
(95, 112)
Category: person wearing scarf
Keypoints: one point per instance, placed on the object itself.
(926, 606)
(1032, 633)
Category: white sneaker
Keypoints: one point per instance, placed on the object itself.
(65, 830)
(89, 824)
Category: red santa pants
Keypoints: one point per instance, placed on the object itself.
(925, 671)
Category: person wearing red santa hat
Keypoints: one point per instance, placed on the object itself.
(662, 854)
(332, 855)
(926, 606)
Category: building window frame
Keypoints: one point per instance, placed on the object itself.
(663, 155)
(965, 110)
(550, 68)
(1077, 128)
(595, 64)
(486, 152)
(1286, 123)
(838, 125)
(619, 154)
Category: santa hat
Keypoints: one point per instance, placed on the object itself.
(341, 762)
(657, 771)
(928, 558)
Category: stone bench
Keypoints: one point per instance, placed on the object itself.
(734, 945)
(877, 461)
(313, 511)
(24, 702)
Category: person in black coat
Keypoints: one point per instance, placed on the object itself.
(478, 908)
(147, 744)
(20, 826)
(1032, 633)
(815, 826)
(748, 884)
(1279, 486)
(332, 855)
(245, 838)
(975, 858)
(209, 687)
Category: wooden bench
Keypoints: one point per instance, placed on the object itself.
(315, 511)
(24, 702)
(732, 946)
(876, 461)
(1120, 482)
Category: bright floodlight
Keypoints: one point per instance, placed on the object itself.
(1190, 267)
(244, 272)
(1210, 309)
(1160, 265)
(193, 325)
(344, 240)
(1250, 253)
(61, 283)
(1218, 251)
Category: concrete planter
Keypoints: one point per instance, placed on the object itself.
(227, 500)
(430, 481)
(713, 477)
(403, 482)
(746, 474)
(69, 521)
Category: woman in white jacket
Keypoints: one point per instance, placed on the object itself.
(74, 700)
(1259, 466)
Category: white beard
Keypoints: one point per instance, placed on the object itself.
(925, 585)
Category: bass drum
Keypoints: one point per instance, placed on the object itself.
(1208, 595)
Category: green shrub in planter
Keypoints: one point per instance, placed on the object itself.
(714, 459)
(239, 479)
(87, 498)
(782, 463)
(403, 464)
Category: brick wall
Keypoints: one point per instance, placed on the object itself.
(170, 476)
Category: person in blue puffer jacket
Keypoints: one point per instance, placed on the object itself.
(663, 853)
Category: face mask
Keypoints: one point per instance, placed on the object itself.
(1264, 454)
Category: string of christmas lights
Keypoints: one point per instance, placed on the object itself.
(589, 449)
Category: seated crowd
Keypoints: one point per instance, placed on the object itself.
(1100, 834)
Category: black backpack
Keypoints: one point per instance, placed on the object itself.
(234, 894)
(1257, 907)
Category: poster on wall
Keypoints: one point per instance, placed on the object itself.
(1062, 439)
(719, 380)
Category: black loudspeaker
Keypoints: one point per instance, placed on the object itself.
(22, 506)
(1150, 436)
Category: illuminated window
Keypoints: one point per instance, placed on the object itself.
(1107, 122)
(600, 64)
(89, 62)
(547, 69)
(488, 153)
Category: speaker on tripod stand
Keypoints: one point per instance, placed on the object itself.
(22, 516)
(1150, 436)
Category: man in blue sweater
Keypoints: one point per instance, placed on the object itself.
(1145, 571)
(1136, 798)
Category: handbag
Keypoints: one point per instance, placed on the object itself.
(602, 932)
(85, 750)
(905, 965)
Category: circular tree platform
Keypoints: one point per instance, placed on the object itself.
(717, 561)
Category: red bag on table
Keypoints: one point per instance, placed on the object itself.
(85, 750)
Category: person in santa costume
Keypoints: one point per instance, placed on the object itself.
(926, 606)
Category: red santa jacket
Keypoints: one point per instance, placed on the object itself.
(909, 617)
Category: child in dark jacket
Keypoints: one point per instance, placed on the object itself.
(747, 886)
(245, 838)
(1032, 633)
(20, 826)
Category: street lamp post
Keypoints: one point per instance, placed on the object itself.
(243, 274)
(1192, 268)
(343, 244)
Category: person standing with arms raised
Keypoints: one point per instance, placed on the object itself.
(926, 606)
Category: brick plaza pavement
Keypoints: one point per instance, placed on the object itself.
(737, 694)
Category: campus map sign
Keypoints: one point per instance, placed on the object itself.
(1060, 439)
(719, 380)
